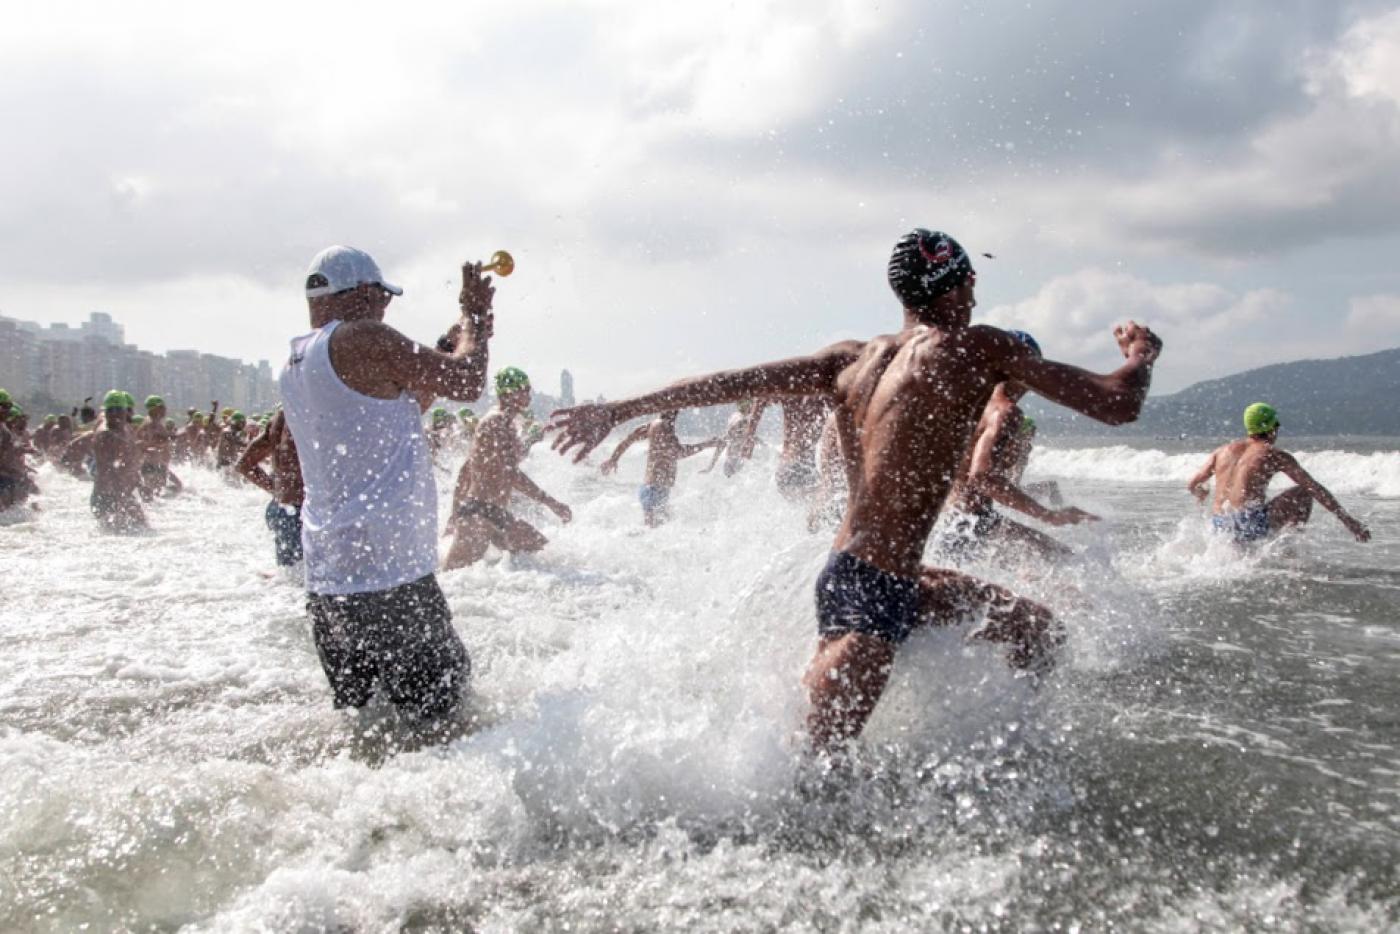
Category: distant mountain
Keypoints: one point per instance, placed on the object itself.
(1345, 396)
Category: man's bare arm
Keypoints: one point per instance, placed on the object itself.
(586, 426)
(638, 434)
(686, 450)
(1288, 465)
(1197, 484)
(248, 464)
(1115, 398)
(528, 488)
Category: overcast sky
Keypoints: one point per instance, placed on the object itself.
(688, 186)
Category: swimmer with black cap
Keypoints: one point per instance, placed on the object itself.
(989, 475)
(907, 405)
(1242, 471)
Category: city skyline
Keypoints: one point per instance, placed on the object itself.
(60, 365)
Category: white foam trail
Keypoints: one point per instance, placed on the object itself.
(1377, 474)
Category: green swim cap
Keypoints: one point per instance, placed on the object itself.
(5, 395)
(115, 399)
(227, 411)
(238, 418)
(153, 401)
(130, 400)
(465, 412)
(1027, 424)
(137, 419)
(511, 379)
(50, 419)
(1260, 419)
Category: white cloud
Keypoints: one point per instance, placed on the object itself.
(1376, 316)
(1202, 324)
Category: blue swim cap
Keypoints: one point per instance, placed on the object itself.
(1029, 341)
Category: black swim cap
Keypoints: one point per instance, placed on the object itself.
(926, 264)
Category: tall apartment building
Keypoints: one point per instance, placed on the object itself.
(68, 364)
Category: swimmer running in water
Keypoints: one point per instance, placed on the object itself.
(740, 436)
(985, 478)
(481, 502)
(664, 452)
(231, 442)
(283, 514)
(16, 484)
(157, 439)
(803, 418)
(116, 472)
(1242, 471)
(907, 405)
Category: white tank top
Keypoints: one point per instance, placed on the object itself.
(369, 522)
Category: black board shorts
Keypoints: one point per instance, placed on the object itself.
(285, 523)
(401, 638)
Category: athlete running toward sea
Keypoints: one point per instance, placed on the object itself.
(1242, 471)
(803, 418)
(738, 441)
(481, 502)
(116, 471)
(907, 407)
(157, 440)
(283, 514)
(985, 478)
(664, 452)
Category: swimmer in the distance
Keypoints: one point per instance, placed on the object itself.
(664, 451)
(1242, 471)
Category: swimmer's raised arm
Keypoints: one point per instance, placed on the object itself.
(586, 426)
(1113, 398)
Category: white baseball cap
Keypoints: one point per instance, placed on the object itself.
(338, 268)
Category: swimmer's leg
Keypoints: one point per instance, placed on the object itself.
(1028, 629)
(520, 537)
(469, 544)
(1290, 508)
(844, 682)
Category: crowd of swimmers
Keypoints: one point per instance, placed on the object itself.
(909, 439)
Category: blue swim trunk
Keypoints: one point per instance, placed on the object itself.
(654, 499)
(285, 523)
(1247, 525)
(853, 596)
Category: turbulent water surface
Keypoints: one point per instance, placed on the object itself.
(1219, 748)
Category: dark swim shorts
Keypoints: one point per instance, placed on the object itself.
(401, 638)
(853, 596)
(285, 523)
(492, 513)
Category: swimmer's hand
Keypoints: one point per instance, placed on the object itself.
(608, 466)
(475, 300)
(583, 427)
(1136, 340)
(1071, 516)
(565, 514)
(1360, 531)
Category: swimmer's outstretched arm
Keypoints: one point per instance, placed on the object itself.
(1288, 465)
(609, 465)
(1197, 484)
(586, 426)
(689, 449)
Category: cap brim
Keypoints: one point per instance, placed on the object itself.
(391, 289)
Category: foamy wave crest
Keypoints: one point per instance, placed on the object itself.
(1342, 471)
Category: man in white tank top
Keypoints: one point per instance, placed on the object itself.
(354, 390)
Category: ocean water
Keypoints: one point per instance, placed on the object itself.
(1219, 748)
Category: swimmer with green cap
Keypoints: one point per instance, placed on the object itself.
(1242, 471)
(117, 457)
(158, 439)
(231, 444)
(481, 514)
